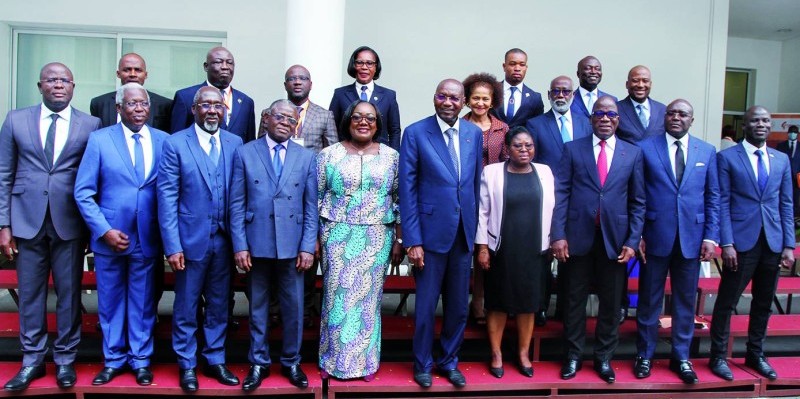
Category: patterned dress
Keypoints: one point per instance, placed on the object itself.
(358, 210)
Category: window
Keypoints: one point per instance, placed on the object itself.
(738, 84)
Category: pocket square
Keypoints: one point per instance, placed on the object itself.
(699, 164)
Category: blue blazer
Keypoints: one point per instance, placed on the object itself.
(579, 195)
(184, 192)
(433, 200)
(386, 102)
(273, 218)
(579, 108)
(242, 121)
(109, 195)
(547, 141)
(630, 129)
(690, 210)
(532, 106)
(744, 211)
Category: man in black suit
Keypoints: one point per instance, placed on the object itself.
(520, 103)
(789, 147)
(132, 68)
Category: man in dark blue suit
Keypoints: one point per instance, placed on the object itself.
(590, 73)
(193, 185)
(597, 223)
(440, 169)
(115, 190)
(639, 115)
(239, 117)
(756, 235)
(520, 103)
(681, 228)
(789, 147)
(274, 222)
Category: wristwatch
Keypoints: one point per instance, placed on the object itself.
(399, 241)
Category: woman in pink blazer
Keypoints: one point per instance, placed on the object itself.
(516, 207)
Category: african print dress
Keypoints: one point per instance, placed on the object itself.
(358, 210)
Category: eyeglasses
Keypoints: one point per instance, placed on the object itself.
(54, 81)
(281, 117)
(443, 98)
(297, 78)
(215, 106)
(560, 92)
(368, 64)
(520, 147)
(220, 62)
(601, 114)
(682, 114)
(134, 104)
(357, 118)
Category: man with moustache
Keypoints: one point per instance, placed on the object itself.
(590, 73)
(440, 170)
(193, 185)
(639, 115)
(756, 235)
(681, 229)
(40, 225)
(115, 190)
(520, 103)
(550, 131)
(597, 223)
(132, 69)
(274, 222)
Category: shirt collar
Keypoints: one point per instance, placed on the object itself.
(443, 126)
(583, 92)
(370, 87)
(203, 135)
(645, 104)
(272, 143)
(611, 142)
(144, 131)
(507, 86)
(65, 113)
(671, 140)
(750, 149)
(567, 114)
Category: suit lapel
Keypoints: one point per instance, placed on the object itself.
(552, 126)
(377, 95)
(118, 138)
(198, 154)
(157, 141)
(744, 159)
(263, 152)
(35, 135)
(236, 101)
(74, 129)
(629, 113)
(617, 159)
(774, 167)
(289, 162)
(228, 148)
(437, 141)
(662, 149)
(587, 152)
(692, 158)
(580, 105)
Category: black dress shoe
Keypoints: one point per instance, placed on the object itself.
(570, 368)
(540, 319)
(188, 380)
(144, 376)
(759, 363)
(641, 367)
(684, 370)
(623, 313)
(455, 377)
(65, 376)
(423, 379)
(221, 373)
(295, 375)
(604, 370)
(254, 377)
(719, 367)
(106, 375)
(24, 377)
(498, 372)
(526, 371)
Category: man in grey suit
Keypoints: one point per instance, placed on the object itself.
(40, 150)
(273, 226)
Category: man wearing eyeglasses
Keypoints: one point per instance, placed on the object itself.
(273, 223)
(40, 225)
(597, 224)
(239, 116)
(440, 171)
(640, 115)
(193, 187)
(115, 190)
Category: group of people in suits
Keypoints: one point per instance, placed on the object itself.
(625, 179)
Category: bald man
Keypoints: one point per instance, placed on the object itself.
(590, 73)
(639, 115)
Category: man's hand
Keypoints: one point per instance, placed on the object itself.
(416, 255)
(707, 250)
(8, 246)
(176, 262)
(560, 250)
(483, 256)
(304, 261)
(729, 259)
(642, 248)
(117, 240)
(625, 255)
(242, 260)
(787, 258)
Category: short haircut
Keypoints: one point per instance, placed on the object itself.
(351, 65)
(344, 127)
(515, 51)
(197, 94)
(282, 101)
(129, 86)
(484, 79)
(516, 131)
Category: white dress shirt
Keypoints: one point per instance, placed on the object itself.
(62, 128)
(370, 89)
(443, 126)
(750, 150)
(507, 95)
(147, 147)
(611, 142)
(645, 107)
(583, 93)
(204, 138)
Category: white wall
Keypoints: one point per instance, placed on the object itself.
(763, 56)
(789, 99)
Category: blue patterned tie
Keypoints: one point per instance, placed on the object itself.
(138, 158)
(364, 93)
(277, 164)
(642, 117)
(564, 131)
(510, 108)
(213, 153)
(762, 171)
(451, 149)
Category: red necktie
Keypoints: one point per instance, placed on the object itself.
(602, 163)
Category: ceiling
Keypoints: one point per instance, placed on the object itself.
(761, 19)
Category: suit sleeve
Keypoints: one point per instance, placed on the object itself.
(481, 237)
(725, 229)
(531, 127)
(180, 116)
(87, 183)
(409, 157)
(8, 168)
(308, 242)
(331, 134)
(237, 203)
(393, 124)
(711, 230)
(478, 168)
(563, 178)
(636, 203)
(337, 108)
(169, 182)
(94, 108)
(786, 206)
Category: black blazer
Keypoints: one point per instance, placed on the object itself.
(386, 102)
(105, 108)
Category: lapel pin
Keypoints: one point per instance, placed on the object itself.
(375, 98)
(239, 100)
(527, 94)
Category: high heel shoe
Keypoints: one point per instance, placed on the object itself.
(496, 371)
(526, 371)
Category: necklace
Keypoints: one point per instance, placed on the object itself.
(360, 150)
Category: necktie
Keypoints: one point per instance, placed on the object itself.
(226, 114)
(277, 164)
(642, 117)
(451, 149)
(301, 120)
(762, 171)
(510, 108)
(49, 143)
(565, 136)
(602, 163)
(138, 158)
(213, 153)
(364, 93)
(791, 149)
(680, 164)
(590, 101)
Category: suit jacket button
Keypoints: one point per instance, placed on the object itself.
(271, 216)
(291, 216)
(45, 192)
(290, 197)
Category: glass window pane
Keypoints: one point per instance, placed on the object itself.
(171, 64)
(736, 91)
(91, 60)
